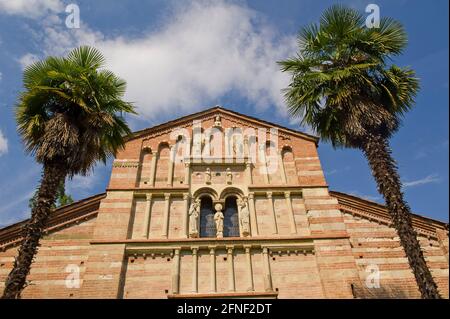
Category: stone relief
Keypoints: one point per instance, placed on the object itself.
(244, 217)
(229, 176)
(217, 121)
(208, 176)
(194, 214)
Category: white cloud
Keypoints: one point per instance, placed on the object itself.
(433, 178)
(27, 59)
(203, 51)
(81, 182)
(1, 76)
(366, 196)
(3, 144)
(30, 8)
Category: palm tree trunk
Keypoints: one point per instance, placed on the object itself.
(384, 169)
(33, 230)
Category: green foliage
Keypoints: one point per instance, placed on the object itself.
(341, 84)
(62, 198)
(71, 110)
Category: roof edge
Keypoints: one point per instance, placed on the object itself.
(377, 208)
(164, 125)
(68, 213)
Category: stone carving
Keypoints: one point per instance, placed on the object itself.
(194, 213)
(229, 176)
(208, 176)
(218, 219)
(217, 121)
(244, 217)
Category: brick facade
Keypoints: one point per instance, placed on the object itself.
(304, 241)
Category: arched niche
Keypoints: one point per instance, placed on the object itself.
(289, 164)
(143, 172)
(162, 163)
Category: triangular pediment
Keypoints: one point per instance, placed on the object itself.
(237, 117)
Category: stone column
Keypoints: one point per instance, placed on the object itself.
(165, 233)
(231, 284)
(176, 272)
(194, 269)
(251, 286)
(287, 195)
(185, 230)
(248, 172)
(212, 256)
(253, 219)
(171, 165)
(187, 173)
(246, 148)
(147, 213)
(262, 153)
(153, 169)
(267, 274)
(272, 211)
(281, 165)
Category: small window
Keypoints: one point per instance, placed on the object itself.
(231, 218)
(207, 224)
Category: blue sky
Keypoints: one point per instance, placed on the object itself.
(183, 56)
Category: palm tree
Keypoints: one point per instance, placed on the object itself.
(69, 117)
(343, 87)
(61, 199)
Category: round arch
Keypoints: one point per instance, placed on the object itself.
(206, 191)
(231, 191)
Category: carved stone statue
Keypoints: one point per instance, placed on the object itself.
(218, 219)
(244, 217)
(208, 176)
(229, 176)
(194, 213)
(217, 121)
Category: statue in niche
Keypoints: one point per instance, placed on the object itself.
(244, 217)
(194, 214)
(208, 176)
(229, 176)
(218, 219)
(217, 121)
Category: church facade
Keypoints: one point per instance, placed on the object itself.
(222, 205)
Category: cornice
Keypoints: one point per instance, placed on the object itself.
(60, 218)
(376, 212)
(207, 114)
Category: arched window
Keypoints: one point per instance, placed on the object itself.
(207, 224)
(231, 218)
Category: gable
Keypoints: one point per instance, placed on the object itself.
(210, 113)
